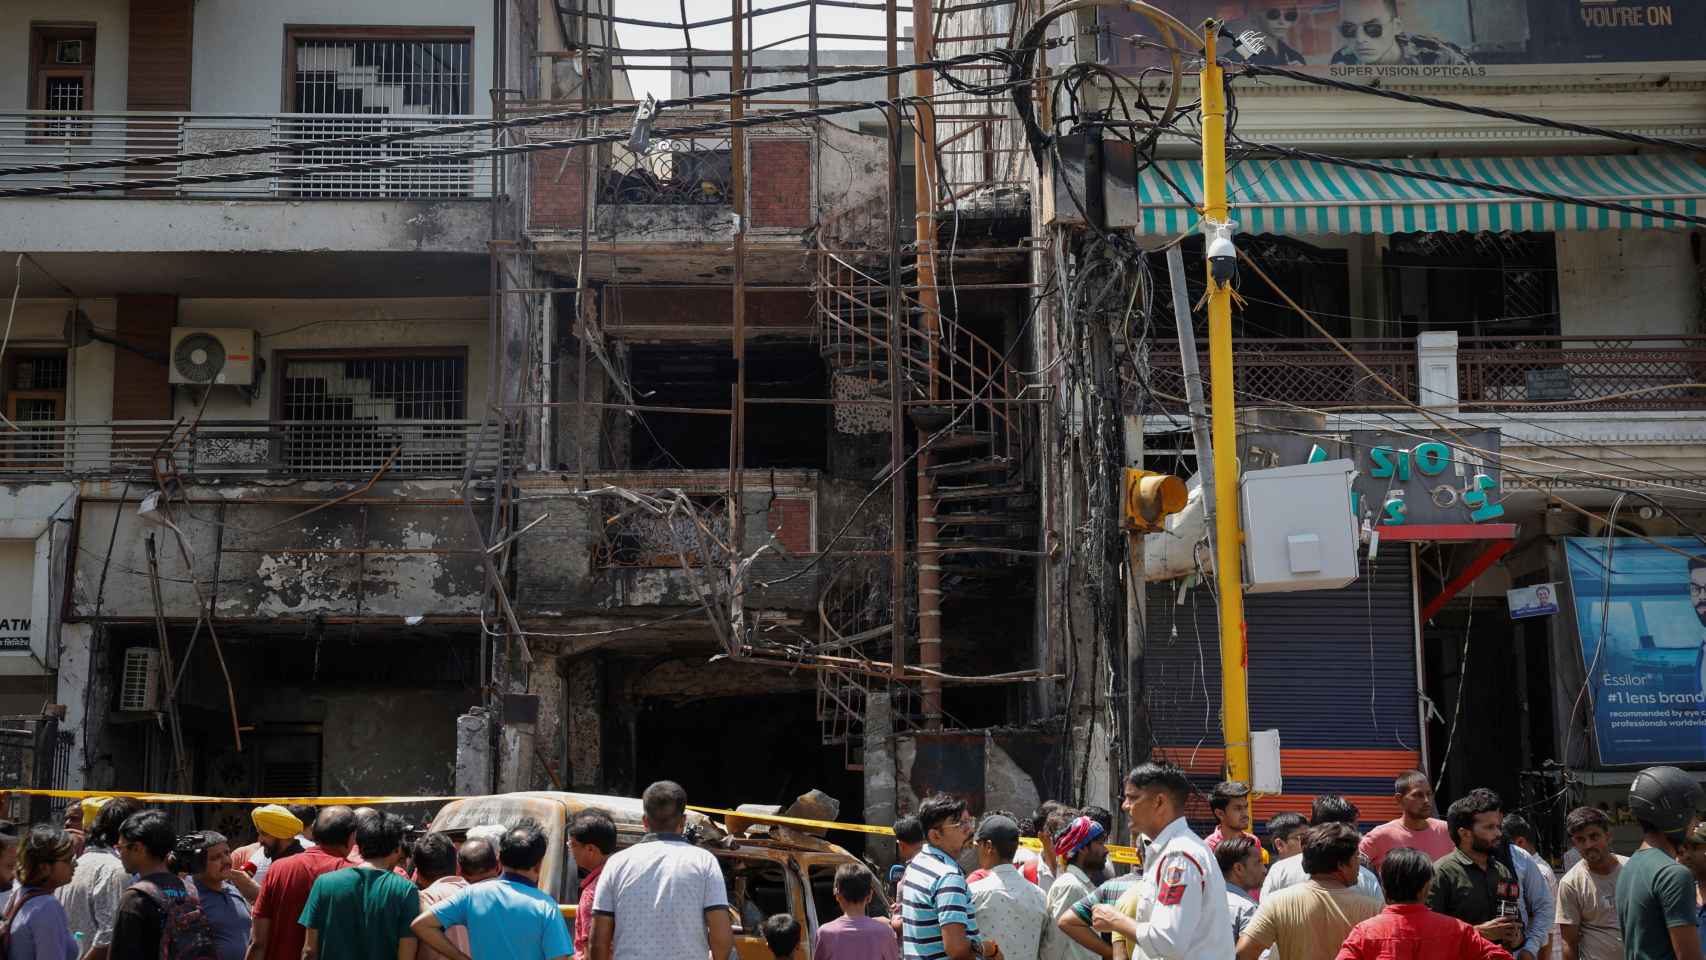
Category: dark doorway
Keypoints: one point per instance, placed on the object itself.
(1480, 697)
(750, 749)
(701, 376)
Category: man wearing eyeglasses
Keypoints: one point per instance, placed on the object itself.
(1373, 34)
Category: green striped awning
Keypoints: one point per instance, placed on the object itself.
(1289, 196)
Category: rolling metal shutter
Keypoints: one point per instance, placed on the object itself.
(1333, 670)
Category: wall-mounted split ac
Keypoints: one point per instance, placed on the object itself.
(213, 356)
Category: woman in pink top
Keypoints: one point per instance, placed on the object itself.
(854, 936)
(1416, 829)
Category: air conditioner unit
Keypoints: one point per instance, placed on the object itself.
(68, 52)
(207, 356)
(139, 687)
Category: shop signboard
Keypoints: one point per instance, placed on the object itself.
(1640, 611)
(17, 580)
(1432, 40)
(1413, 478)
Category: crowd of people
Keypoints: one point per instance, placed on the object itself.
(330, 882)
(337, 882)
(1471, 886)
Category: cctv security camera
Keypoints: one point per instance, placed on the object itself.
(1222, 257)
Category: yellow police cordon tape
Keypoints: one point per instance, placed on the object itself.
(1117, 853)
(153, 797)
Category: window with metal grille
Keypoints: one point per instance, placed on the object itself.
(35, 394)
(64, 93)
(62, 67)
(352, 413)
(357, 84)
(379, 74)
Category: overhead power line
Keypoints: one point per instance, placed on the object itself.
(1260, 70)
(478, 126)
(1532, 194)
(381, 163)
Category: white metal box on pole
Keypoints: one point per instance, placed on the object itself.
(1299, 533)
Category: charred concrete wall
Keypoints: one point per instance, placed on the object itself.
(400, 549)
(576, 561)
(1001, 769)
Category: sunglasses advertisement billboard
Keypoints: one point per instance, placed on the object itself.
(1441, 40)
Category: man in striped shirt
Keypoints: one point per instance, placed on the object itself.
(938, 921)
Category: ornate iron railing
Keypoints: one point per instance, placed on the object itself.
(1574, 373)
(1621, 373)
(681, 171)
(1304, 372)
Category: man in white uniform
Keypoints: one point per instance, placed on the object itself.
(1178, 910)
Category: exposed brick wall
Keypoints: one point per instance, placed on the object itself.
(779, 183)
(790, 520)
(555, 189)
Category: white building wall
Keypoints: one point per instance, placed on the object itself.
(111, 19)
(239, 44)
(338, 324)
(283, 324)
(1628, 282)
(40, 325)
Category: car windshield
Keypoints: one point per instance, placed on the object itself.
(459, 816)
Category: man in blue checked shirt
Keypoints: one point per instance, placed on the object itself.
(938, 921)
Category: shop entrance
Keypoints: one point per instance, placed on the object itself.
(1490, 679)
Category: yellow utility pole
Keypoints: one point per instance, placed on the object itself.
(1228, 541)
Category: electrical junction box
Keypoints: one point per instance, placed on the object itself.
(1091, 179)
(1299, 533)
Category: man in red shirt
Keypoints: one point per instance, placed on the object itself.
(592, 839)
(1407, 929)
(278, 933)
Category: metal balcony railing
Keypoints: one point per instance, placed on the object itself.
(685, 170)
(1602, 373)
(328, 449)
(45, 137)
(1305, 372)
(1494, 373)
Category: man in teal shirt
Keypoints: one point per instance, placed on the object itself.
(1655, 893)
(364, 912)
(509, 918)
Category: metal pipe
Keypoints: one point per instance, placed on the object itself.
(929, 566)
(737, 423)
(1193, 380)
(897, 396)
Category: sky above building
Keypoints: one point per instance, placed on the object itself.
(786, 30)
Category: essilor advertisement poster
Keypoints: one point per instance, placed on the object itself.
(1641, 615)
(1440, 40)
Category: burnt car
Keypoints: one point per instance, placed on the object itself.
(767, 868)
